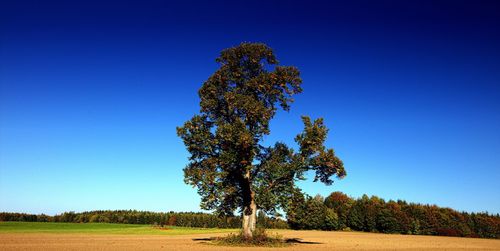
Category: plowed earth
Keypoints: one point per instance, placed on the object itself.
(312, 240)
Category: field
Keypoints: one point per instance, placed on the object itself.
(96, 236)
(101, 228)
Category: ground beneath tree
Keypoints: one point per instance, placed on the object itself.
(311, 240)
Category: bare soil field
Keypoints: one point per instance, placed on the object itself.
(316, 240)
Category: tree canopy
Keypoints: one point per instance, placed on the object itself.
(228, 163)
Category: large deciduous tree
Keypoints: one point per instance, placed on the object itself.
(228, 164)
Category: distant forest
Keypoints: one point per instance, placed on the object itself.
(373, 214)
(335, 212)
(182, 219)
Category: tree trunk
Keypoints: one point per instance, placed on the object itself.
(249, 210)
(249, 219)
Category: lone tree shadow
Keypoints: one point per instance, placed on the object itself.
(205, 239)
(300, 241)
(287, 240)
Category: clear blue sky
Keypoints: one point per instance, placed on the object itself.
(91, 93)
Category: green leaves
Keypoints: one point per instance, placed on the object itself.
(314, 154)
(246, 87)
(274, 177)
(311, 140)
(195, 133)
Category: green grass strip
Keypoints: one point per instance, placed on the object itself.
(102, 228)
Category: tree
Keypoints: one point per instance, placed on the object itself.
(228, 164)
(341, 204)
(311, 213)
(331, 219)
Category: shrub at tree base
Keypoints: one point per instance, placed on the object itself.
(260, 238)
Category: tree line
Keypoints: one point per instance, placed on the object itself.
(373, 214)
(335, 212)
(181, 219)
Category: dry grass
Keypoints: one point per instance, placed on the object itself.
(315, 240)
